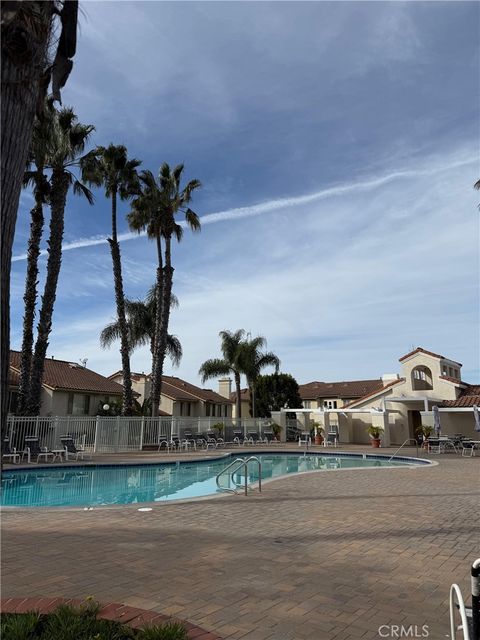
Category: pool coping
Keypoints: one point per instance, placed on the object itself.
(130, 616)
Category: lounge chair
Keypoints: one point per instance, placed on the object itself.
(163, 442)
(33, 450)
(213, 439)
(253, 437)
(189, 440)
(268, 436)
(239, 437)
(71, 449)
(9, 452)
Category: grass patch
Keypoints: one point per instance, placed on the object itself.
(80, 623)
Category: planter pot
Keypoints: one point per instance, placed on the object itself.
(376, 443)
(318, 440)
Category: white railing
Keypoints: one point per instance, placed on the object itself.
(109, 434)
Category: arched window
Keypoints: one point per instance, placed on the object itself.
(421, 378)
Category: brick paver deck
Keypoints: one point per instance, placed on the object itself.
(323, 556)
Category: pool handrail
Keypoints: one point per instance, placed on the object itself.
(402, 445)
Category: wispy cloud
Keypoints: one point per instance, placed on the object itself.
(277, 205)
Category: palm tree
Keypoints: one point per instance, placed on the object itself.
(34, 176)
(26, 28)
(110, 167)
(253, 361)
(141, 328)
(232, 348)
(66, 146)
(154, 211)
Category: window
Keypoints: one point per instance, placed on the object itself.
(225, 410)
(207, 409)
(78, 404)
(185, 408)
(307, 404)
(330, 404)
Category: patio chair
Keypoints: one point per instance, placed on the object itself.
(304, 438)
(71, 449)
(433, 445)
(468, 448)
(33, 450)
(189, 440)
(9, 452)
(331, 439)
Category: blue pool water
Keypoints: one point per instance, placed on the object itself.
(91, 486)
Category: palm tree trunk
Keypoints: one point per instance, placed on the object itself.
(30, 299)
(156, 382)
(58, 201)
(238, 400)
(127, 400)
(24, 45)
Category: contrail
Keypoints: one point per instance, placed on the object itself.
(272, 205)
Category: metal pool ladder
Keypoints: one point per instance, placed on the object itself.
(235, 466)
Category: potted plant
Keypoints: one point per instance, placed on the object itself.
(425, 431)
(375, 434)
(317, 432)
(218, 427)
(277, 429)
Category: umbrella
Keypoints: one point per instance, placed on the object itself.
(436, 420)
(476, 415)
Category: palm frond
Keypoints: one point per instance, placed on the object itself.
(192, 220)
(174, 350)
(79, 189)
(213, 369)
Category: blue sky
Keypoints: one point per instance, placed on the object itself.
(337, 144)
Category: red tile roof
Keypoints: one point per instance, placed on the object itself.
(181, 390)
(373, 393)
(244, 395)
(454, 380)
(348, 389)
(429, 353)
(70, 376)
(468, 398)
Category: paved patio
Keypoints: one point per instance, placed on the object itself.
(329, 555)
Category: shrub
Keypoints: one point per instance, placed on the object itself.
(82, 623)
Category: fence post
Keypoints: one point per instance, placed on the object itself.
(56, 435)
(142, 425)
(117, 435)
(97, 424)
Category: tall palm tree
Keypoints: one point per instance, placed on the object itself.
(66, 147)
(110, 167)
(26, 29)
(253, 360)
(141, 328)
(34, 176)
(232, 347)
(154, 211)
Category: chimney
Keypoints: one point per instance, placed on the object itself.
(388, 378)
(225, 387)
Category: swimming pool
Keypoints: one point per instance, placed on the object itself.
(102, 485)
